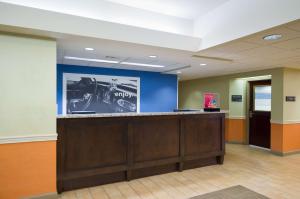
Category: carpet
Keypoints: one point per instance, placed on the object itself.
(236, 192)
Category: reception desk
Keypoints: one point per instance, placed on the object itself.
(106, 148)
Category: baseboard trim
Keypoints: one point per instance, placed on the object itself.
(44, 196)
(282, 154)
(235, 142)
(28, 138)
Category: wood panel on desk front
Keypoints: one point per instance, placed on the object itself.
(94, 151)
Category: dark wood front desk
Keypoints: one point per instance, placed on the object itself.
(99, 149)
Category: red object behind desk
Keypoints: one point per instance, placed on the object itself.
(211, 100)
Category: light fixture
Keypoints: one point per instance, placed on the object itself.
(179, 72)
(141, 64)
(91, 60)
(89, 49)
(203, 64)
(152, 56)
(272, 37)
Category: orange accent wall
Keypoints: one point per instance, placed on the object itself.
(235, 130)
(27, 169)
(277, 137)
(285, 137)
(291, 137)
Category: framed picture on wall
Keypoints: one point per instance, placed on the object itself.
(100, 93)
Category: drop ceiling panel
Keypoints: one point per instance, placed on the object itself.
(285, 32)
(292, 65)
(75, 62)
(237, 47)
(265, 51)
(286, 61)
(169, 64)
(294, 25)
(292, 44)
(214, 52)
(98, 64)
(139, 60)
(178, 65)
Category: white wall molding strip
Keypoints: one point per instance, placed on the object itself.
(28, 138)
(285, 122)
(237, 117)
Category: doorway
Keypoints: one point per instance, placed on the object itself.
(260, 113)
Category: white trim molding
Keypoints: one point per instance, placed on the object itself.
(28, 138)
(237, 117)
(285, 122)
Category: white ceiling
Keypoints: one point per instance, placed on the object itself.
(74, 46)
(107, 11)
(219, 21)
(246, 54)
(189, 9)
(134, 44)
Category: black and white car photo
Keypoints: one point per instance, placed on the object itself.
(100, 94)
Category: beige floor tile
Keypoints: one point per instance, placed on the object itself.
(273, 176)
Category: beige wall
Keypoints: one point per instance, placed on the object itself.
(237, 87)
(277, 95)
(291, 87)
(190, 92)
(27, 86)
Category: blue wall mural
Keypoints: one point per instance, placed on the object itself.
(158, 91)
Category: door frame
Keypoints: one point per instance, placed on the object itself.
(248, 105)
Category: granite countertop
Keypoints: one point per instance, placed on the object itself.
(136, 114)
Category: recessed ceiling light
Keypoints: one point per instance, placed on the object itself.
(141, 64)
(203, 64)
(272, 37)
(91, 60)
(179, 72)
(152, 56)
(89, 49)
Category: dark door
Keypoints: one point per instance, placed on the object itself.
(260, 113)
